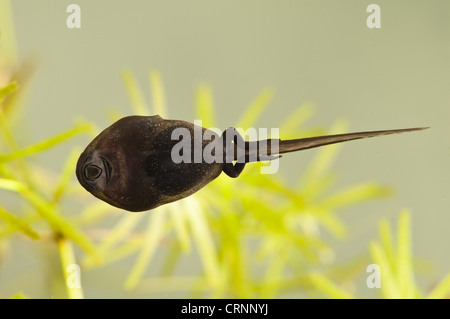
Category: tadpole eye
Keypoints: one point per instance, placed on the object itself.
(92, 172)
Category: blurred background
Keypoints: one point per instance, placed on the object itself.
(320, 55)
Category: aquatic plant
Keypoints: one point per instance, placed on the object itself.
(253, 237)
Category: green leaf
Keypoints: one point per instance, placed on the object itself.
(93, 213)
(154, 234)
(66, 175)
(296, 119)
(19, 295)
(442, 289)
(274, 273)
(321, 163)
(10, 142)
(205, 106)
(254, 111)
(46, 144)
(356, 194)
(120, 230)
(389, 284)
(51, 213)
(174, 284)
(179, 222)
(114, 115)
(138, 102)
(17, 224)
(333, 224)
(10, 88)
(327, 287)
(387, 242)
(114, 254)
(204, 241)
(404, 261)
(68, 260)
(172, 258)
(157, 90)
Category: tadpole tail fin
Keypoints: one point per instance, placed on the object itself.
(311, 142)
(265, 151)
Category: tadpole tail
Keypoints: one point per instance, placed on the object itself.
(267, 149)
(311, 142)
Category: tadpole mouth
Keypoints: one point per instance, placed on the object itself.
(92, 172)
(90, 169)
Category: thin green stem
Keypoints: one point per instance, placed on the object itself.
(70, 269)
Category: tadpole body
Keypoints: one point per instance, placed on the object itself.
(130, 164)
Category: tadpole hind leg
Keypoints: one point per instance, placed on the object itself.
(232, 135)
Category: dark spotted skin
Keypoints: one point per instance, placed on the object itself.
(142, 175)
(129, 164)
